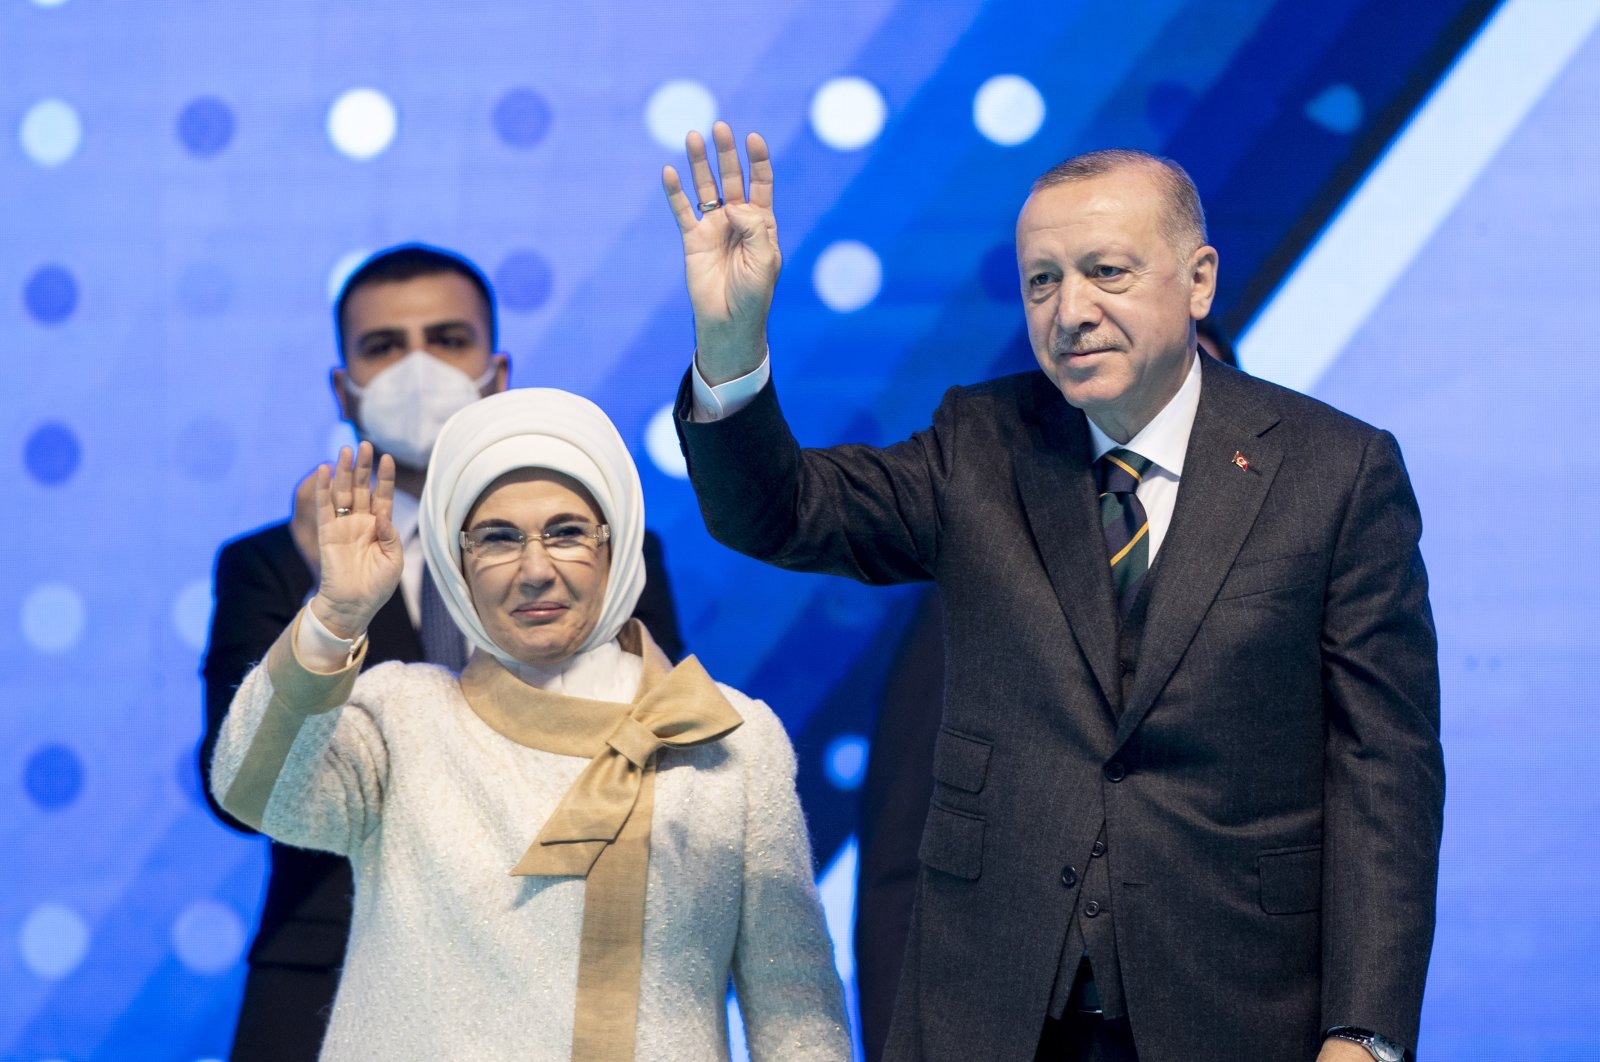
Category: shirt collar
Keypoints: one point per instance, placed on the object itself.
(406, 515)
(1165, 439)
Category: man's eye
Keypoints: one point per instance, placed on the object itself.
(1107, 272)
(378, 349)
(1039, 280)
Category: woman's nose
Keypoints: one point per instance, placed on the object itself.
(535, 564)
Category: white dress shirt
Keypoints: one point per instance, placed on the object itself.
(406, 515)
(726, 399)
(1164, 441)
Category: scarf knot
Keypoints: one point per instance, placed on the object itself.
(634, 741)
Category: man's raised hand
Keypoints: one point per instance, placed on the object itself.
(303, 522)
(360, 550)
(730, 252)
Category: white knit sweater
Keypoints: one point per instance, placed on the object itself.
(451, 957)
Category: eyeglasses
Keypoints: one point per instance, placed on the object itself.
(567, 542)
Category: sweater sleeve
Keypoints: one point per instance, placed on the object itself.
(783, 968)
(296, 758)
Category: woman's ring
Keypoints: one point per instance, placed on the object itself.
(709, 205)
(343, 510)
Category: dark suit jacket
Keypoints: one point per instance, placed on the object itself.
(894, 807)
(1268, 772)
(260, 583)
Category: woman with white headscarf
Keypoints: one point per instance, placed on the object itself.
(566, 851)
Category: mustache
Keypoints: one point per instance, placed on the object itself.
(1077, 344)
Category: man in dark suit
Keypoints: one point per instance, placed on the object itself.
(417, 340)
(1188, 787)
(897, 786)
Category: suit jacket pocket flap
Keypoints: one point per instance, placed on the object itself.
(1291, 880)
(960, 761)
(952, 841)
(1278, 573)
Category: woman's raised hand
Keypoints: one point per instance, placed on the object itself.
(730, 252)
(360, 551)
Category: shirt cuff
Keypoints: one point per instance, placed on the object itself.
(726, 399)
(319, 649)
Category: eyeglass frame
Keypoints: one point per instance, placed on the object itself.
(598, 536)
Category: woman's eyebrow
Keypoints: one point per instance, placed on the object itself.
(559, 518)
(493, 522)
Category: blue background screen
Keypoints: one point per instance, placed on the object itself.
(1402, 195)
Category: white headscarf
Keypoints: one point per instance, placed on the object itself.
(532, 427)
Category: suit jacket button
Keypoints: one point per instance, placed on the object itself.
(1098, 850)
(1091, 909)
(1069, 877)
(1115, 771)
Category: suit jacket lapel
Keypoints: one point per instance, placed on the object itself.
(1218, 502)
(1056, 484)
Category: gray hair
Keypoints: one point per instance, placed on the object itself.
(1183, 219)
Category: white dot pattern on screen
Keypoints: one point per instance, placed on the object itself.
(208, 937)
(50, 132)
(661, 443)
(848, 113)
(677, 107)
(1008, 109)
(847, 276)
(53, 617)
(53, 941)
(191, 613)
(362, 123)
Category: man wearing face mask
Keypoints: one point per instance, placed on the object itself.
(417, 342)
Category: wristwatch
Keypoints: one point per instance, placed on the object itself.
(1379, 1047)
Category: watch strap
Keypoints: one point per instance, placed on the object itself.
(1379, 1047)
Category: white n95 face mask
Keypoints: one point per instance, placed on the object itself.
(405, 405)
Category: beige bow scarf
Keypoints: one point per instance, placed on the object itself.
(601, 829)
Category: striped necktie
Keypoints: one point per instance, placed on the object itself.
(442, 641)
(1123, 521)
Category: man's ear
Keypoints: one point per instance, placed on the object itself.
(502, 374)
(337, 378)
(1202, 281)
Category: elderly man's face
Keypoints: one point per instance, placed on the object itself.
(1110, 303)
